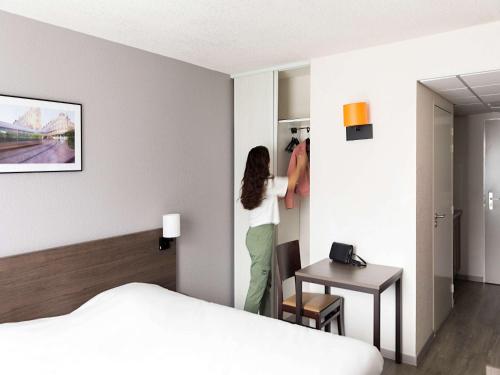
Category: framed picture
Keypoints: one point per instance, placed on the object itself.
(39, 135)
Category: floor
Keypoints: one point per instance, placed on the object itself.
(468, 341)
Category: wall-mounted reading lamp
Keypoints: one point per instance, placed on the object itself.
(357, 121)
(171, 230)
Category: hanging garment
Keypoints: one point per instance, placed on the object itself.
(302, 188)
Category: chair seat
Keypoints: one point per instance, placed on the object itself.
(313, 302)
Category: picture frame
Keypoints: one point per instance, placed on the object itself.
(40, 135)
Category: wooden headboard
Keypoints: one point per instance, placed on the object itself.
(57, 281)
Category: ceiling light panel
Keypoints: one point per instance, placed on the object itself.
(465, 100)
(456, 94)
(482, 79)
(491, 98)
(444, 84)
(487, 90)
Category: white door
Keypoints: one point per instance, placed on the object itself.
(443, 215)
(253, 126)
(492, 193)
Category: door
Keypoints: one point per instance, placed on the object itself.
(492, 206)
(443, 215)
(253, 126)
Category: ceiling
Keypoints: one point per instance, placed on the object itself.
(470, 93)
(234, 36)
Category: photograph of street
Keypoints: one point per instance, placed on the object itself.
(34, 133)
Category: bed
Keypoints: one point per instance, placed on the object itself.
(109, 306)
(141, 328)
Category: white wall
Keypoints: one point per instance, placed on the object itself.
(468, 190)
(156, 139)
(364, 192)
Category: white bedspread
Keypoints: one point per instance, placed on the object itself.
(143, 329)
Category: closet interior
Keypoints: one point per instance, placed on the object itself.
(271, 109)
(293, 90)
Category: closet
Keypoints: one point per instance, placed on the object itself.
(268, 106)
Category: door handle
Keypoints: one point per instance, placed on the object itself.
(436, 217)
(491, 199)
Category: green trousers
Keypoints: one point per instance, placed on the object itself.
(259, 243)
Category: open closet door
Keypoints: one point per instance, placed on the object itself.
(253, 126)
(443, 215)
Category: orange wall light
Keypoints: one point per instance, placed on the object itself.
(356, 114)
(357, 121)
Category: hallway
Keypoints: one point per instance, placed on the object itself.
(468, 341)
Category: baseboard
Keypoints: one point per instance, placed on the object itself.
(410, 359)
(390, 354)
(477, 279)
(421, 354)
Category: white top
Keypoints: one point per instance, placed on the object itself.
(268, 212)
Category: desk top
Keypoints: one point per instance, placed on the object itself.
(373, 277)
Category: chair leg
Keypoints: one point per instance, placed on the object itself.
(328, 327)
(340, 318)
(318, 323)
(280, 313)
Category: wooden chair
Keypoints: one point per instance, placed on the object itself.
(322, 308)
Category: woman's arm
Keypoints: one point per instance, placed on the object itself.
(294, 177)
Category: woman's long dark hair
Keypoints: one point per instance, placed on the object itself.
(256, 174)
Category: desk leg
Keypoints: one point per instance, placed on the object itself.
(376, 319)
(398, 321)
(298, 300)
(327, 289)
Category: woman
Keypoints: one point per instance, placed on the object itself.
(259, 194)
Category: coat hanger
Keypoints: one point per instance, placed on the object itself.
(294, 142)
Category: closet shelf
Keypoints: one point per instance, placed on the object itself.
(288, 121)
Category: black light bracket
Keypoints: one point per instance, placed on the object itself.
(358, 132)
(165, 243)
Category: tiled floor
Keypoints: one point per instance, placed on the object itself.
(468, 341)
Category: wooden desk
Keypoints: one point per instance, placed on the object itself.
(373, 279)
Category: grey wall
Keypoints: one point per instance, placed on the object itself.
(157, 138)
(468, 190)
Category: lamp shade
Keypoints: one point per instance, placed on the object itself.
(356, 114)
(171, 225)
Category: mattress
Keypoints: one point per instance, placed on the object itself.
(148, 330)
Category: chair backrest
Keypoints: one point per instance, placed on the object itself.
(288, 259)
